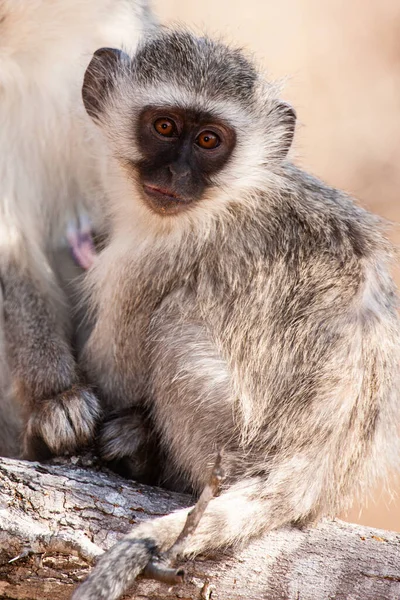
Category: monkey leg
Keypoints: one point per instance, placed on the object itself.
(192, 401)
(60, 412)
(231, 519)
(69, 275)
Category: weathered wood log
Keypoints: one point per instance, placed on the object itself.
(55, 519)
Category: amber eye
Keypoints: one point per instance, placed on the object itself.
(165, 127)
(208, 140)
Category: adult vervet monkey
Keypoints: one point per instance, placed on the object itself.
(254, 310)
(49, 172)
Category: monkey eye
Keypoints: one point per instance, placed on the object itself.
(165, 127)
(208, 140)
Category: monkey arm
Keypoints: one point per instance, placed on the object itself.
(59, 411)
(114, 356)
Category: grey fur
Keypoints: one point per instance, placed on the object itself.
(56, 406)
(263, 321)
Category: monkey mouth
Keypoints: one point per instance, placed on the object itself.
(164, 201)
(162, 193)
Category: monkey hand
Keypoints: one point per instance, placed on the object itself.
(61, 424)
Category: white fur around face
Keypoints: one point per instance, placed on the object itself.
(243, 175)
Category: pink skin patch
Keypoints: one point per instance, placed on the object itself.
(80, 240)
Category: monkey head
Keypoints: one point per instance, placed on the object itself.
(189, 120)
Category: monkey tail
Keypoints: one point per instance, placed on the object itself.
(118, 568)
(240, 513)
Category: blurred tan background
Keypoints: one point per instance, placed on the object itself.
(341, 59)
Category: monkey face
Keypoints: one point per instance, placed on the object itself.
(181, 150)
(189, 122)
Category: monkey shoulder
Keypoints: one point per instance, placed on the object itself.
(329, 220)
(308, 247)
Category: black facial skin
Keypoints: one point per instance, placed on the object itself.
(176, 169)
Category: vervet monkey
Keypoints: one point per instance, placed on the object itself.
(246, 304)
(49, 174)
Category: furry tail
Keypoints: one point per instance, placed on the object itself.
(117, 569)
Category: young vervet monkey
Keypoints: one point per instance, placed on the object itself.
(245, 303)
(49, 164)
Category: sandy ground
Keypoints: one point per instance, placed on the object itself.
(341, 63)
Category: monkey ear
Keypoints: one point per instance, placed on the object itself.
(285, 123)
(99, 79)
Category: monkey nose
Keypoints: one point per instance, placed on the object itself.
(179, 171)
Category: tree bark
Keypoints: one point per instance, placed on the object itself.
(56, 518)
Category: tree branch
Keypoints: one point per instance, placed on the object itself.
(159, 568)
(56, 519)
